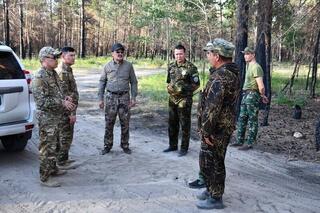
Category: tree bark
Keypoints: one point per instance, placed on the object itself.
(6, 22)
(82, 31)
(263, 49)
(21, 49)
(315, 66)
(241, 40)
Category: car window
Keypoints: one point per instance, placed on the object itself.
(9, 67)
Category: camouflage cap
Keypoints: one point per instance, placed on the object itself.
(220, 46)
(248, 50)
(48, 51)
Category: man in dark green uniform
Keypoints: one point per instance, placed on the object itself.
(253, 91)
(217, 113)
(183, 80)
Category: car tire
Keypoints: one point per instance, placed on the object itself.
(15, 143)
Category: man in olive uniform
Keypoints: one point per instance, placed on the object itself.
(217, 113)
(253, 92)
(69, 86)
(183, 80)
(118, 78)
(51, 105)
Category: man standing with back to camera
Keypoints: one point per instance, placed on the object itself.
(183, 80)
(216, 120)
(118, 78)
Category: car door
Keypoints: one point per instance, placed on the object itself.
(14, 92)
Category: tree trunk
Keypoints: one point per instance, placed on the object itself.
(315, 66)
(263, 49)
(6, 22)
(21, 52)
(241, 41)
(82, 31)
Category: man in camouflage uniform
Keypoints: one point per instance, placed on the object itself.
(216, 117)
(51, 105)
(253, 91)
(118, 78)
(183, 80)
(69, 86)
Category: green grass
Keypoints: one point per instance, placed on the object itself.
(154, 87)
(98, 62)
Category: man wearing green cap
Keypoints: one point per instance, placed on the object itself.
(51, 106)
(253, 91)
(216, 120)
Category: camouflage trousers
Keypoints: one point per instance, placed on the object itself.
(180, 115)
(49, 128)
(212, 167)
(65, 140)
(117, 104)
(249, 111)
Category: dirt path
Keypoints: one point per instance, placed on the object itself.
(149, 180)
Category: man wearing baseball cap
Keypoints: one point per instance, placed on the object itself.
(119, 79)
(216, 120)
(51, 105)
(253, 92)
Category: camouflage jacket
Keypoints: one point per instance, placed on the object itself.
(68, 83)
(183, 80)
(217, 106)
(47, 92)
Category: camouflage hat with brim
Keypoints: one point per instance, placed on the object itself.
(248, 50)
(220, 46)
(47, 52)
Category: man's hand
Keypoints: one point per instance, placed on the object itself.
(132, 103)
(68, 104)
(101, 104)
(265, 99)
(207, 141)
(72, 119)
(68, 98)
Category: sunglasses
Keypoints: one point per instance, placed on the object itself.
(119, 52)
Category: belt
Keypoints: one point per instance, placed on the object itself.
(250, 90)
(118, 93)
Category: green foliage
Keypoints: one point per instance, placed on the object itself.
(154, 88)
(283, 99)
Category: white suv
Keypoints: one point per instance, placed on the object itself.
(17, 107)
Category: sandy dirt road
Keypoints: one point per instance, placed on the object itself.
(149, 180)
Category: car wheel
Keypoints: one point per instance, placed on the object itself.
(15, 143)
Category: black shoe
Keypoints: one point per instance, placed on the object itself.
(182, 153)
(105, 151)
(210, 203)
(235, 144)
(127, 151)
(170, 149)
(197, 184)
(245, 147)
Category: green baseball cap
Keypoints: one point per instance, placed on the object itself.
(48, 51)
(220, 46)
(248, 50)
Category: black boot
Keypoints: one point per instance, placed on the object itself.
(170, 149)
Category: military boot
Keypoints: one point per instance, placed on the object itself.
(50, 183)
(203, 195)
(197, 184)
(210, 203)
(59, 172)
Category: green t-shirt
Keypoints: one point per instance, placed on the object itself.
(253, 71)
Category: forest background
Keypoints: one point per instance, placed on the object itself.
(285, 34)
